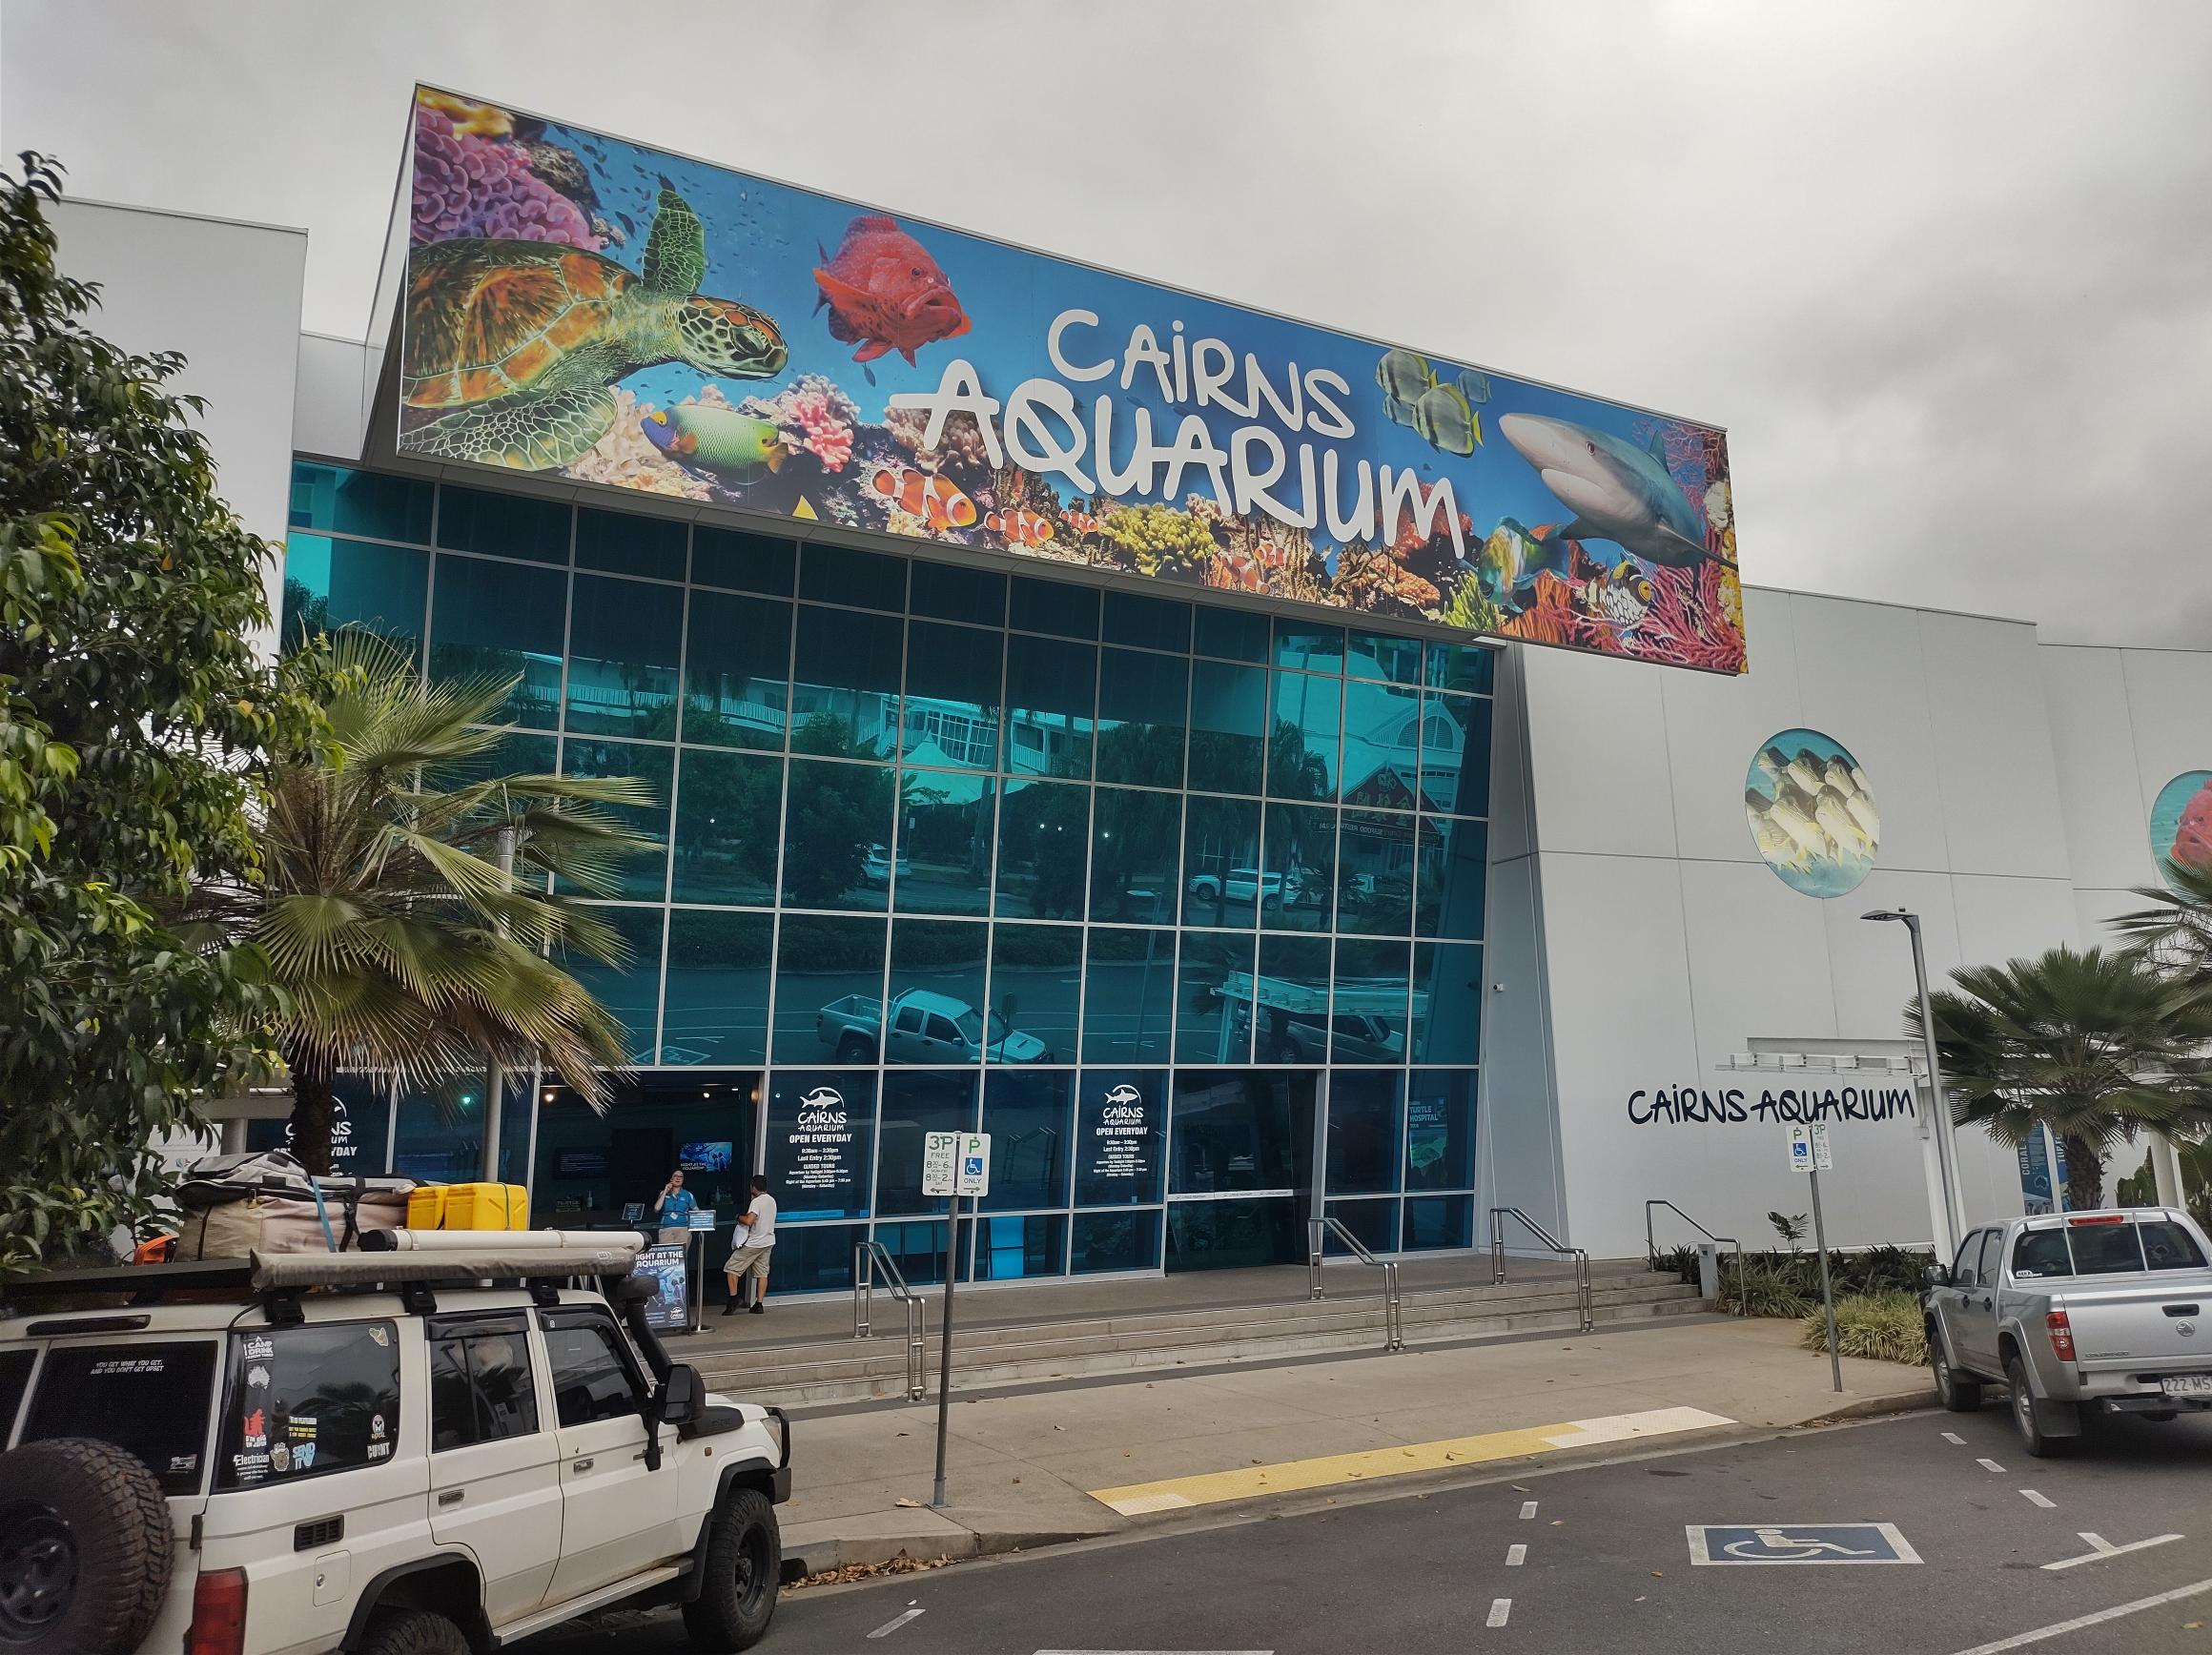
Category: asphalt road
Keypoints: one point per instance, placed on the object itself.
(1608, 1562)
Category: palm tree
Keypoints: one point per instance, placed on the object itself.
(2097, 1045)
(399, 943)
(2174, 934)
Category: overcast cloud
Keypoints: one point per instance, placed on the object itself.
(1944, 271)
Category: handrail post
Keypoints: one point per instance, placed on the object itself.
(863, 1285)
(1497, 1246)
(1313, 1258)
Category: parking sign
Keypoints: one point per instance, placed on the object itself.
(1809, 1151)
(939, 1151)
(972, 1176)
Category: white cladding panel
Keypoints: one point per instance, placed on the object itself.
(331, 418)
(1597, 743)
(2099, 779)
(1996, 777)
(1713, 727)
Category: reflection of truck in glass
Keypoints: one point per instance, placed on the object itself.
(1304, 1037)
(924, 1028)
(1241, 884)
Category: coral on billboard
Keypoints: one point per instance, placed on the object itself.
(578, 305)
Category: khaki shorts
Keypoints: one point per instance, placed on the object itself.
(747, 1261)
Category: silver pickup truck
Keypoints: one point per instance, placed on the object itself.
(2076, 1311)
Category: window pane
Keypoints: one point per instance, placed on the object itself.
(952, 704)
(1102, 1241)
(590, 1381)
(1028, 1114)
(817, 1258)
(820, 1149)
(495, 621)
(150, 1400)
(1237, 634)
(718, 988)
(1149, 623)
(1056, 607)
(1364, 1107)
(1036, 977)
(1374, 1222)
(944, 843)
(507, 526)
(829, 989)
(644, 875)
(1375, 875)
(1128, 996)
(728, 810)
(1244, 1130)
(1440, 1130)
(342, 500)
(1299, 865)
(1448, 1003)
(1436, 1222)
(1121, 1137)
(1375, 655)
(1454, 876)
(847, 575)
(936, 993)
(631, 993)
(839, 817)
(330, 584)
(1302, 748)
(1308, 647)
(630, 544)
(1382, 744)
(950, 592)
(1133, 855)
(1221, 882)
(1052, 691)
(331, 1403)
(623, 639)
(1143, 701)
(1455, 754)
(916, 1103)
(1043, 837)
(741, 562)
(919, 1250)
(1462, 666)
(1292, 997)
(1367, 1020)
(845, 677)
(1228, 728)
(1214, 998)
(1014, 1249)
(736, 669)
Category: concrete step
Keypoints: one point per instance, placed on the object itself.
(843, 1370)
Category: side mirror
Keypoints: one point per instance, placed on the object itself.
(1936, 1275)
(683, 1394)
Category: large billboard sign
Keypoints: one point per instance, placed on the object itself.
(585, 307)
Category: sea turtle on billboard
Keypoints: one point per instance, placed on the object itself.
(522, 341)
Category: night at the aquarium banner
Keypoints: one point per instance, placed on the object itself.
(579, 305)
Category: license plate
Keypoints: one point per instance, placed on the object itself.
(2187, 1385)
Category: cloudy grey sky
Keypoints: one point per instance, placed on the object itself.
(1944, 271)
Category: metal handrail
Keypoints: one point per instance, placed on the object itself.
(1393, 1308)
(1580, 1256)
(868, 1257)
(1652, 1246)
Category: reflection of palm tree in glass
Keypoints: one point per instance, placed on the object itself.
(1294, 769)
(837, 812)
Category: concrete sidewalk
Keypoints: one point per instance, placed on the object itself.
(1025, 1468)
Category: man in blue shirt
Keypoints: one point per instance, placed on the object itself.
(674, 1207)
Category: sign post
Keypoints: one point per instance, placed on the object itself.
(1809, 1154)
(702, 1233)
(954, 1164)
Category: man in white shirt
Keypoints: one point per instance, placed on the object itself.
(750, 1256)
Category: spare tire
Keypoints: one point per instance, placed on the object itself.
(85, 1548)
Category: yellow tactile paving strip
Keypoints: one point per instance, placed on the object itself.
(1290, 1476)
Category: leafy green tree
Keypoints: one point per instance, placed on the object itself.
(381, 908)
(133, 715)
(2094, 1044)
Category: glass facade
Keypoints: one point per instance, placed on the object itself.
(1181, 902)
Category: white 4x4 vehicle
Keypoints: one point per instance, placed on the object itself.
(428, 1452)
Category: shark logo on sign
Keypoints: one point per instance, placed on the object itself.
(822, 1108)
(1124, 1106)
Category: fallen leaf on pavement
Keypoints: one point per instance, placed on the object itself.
(902, 1500)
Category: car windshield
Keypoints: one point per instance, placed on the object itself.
(970, 1023)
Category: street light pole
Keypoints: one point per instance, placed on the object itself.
(1946, 1150)
(495, 1076)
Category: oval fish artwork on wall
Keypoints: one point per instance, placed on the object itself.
(2182, 825)
(1812, 813)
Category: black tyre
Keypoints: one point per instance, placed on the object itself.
(1956, 1391)
(739, 1575)
(856, 1049)
(2159, 1416)
(2023, 1410)
(85, 1548)
(413, 1632)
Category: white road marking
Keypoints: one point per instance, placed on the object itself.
(1527, 1509)
(2101, 1548)
(1500, 1608)
(1991, 1466)
(1954, 1438)
(1517, 1555)
(2033, 1499)
(2060, 1628)
(890, 1627)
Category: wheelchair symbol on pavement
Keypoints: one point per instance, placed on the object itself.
(1772, 1543)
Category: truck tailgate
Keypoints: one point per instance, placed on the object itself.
(2150, 1324)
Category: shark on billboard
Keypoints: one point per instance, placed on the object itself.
(575, 305)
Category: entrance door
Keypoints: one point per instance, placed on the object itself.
(1241, 1168)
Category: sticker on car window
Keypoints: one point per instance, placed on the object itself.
(280, 1458)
